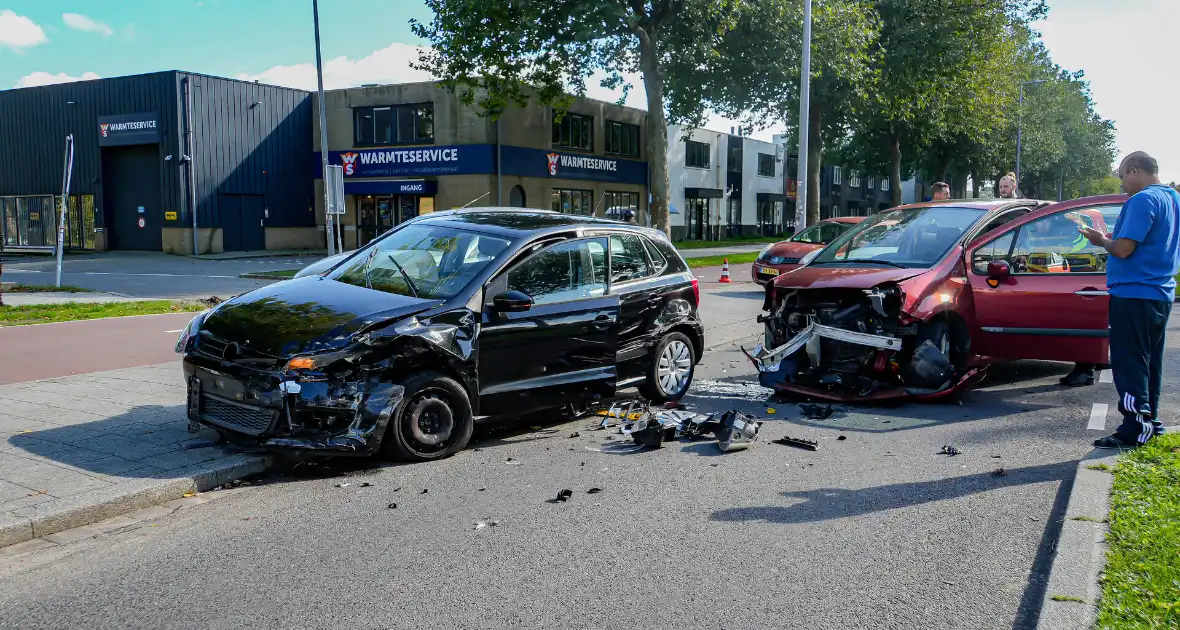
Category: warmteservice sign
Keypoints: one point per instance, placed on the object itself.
(127, 129)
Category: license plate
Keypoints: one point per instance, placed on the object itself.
(768, 271)
(194, 400)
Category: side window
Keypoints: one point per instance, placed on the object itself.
(1053, 245)
(570, 271)
(627, 259)
(657, 258)
(996, 250)
(1110, 216)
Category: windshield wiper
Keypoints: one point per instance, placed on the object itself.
(889, 263)
(409, 283)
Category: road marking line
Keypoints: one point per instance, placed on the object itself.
(1098, 417)
(1106, 376)
(153, 275)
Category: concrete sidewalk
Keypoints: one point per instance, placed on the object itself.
(17, 298)
(80, 449)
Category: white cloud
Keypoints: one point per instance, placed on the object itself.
(80, 22)
(44, 78)
(18, 32)
(388, 65)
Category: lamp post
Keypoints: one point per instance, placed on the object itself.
(1019, 120)
(804, 117)
(319, 71)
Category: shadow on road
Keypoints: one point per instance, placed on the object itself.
(827, 504)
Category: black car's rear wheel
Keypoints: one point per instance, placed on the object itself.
(432, 421)
(671, 370)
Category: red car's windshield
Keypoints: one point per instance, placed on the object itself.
(916, 237)
(820, 233)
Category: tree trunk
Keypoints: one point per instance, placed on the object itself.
(895, 167)
(975, 185)
(815, 154)
(657, 134)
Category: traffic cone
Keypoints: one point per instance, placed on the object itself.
(724, 271)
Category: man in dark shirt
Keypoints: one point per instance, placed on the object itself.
(1144, 258)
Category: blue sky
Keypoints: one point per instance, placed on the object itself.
(1127, 49)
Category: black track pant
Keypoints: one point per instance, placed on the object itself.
(1137, 330)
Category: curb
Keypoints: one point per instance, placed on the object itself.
(91, 508)
(1081, 548)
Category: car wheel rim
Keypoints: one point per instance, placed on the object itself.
(674, 366)
(430, 421)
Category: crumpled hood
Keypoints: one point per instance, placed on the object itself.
(843, 277)
(309, 314)
(787, 249)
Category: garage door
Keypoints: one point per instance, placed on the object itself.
(132, 203)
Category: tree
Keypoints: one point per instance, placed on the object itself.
(844, 40)
(498, 53)
(941, 80)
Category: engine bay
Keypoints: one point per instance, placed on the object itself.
(854, 342)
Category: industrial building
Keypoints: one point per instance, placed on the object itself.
(414, 148)
(151, 148)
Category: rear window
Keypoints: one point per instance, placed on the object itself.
(676, 264)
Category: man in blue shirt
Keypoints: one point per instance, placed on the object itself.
(1144, 258)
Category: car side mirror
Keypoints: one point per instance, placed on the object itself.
(512, 302)
(998, 270)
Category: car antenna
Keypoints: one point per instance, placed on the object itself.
(476, 199)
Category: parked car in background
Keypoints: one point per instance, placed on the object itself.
(783, 256)
(916, 300)
(454, 316)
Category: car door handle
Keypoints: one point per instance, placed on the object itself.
(1091, 292)
(603, 322)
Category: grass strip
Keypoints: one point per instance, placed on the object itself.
(77, 311)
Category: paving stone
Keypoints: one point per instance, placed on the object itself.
(36, 544)
(114, 524)
(73, 535)
(183, 458)
(30, 499)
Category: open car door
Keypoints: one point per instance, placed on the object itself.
(1040, 288)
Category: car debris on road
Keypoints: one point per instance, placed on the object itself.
(803, 443)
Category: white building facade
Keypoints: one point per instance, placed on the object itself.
(723, 185)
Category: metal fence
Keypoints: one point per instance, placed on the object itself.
(28, 223)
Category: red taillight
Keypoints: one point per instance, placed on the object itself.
(696, 290)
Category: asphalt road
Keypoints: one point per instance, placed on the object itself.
(49, 350)
(877, 530)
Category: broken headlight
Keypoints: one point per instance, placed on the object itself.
(190, 331)
(317, 362)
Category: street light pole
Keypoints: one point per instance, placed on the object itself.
(804, 117)
(1019, 122)
(319, 72)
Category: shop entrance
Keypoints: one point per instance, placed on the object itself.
(377, 214)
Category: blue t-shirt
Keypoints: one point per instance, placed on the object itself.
(1151, 218)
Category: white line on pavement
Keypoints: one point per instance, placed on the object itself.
(155, 275)
(174, 331)
(1098, 417)
(1106, 376)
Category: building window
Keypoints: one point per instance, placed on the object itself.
(622, 138)
(884, 184)
(574, 131)
(572, 201)
(835, 175)
(734, 159)
(765, 165)
(854, 179)
(394, 124)
(871, 183)
(619, 202)
(696, 154)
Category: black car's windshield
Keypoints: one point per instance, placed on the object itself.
(426, 261)
(820, 233)
(913, 238)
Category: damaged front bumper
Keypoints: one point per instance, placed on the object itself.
(286, 411)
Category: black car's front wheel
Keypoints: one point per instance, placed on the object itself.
(671, 370)
(432, 421)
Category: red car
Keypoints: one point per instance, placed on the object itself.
(916, 301)
(784, 256)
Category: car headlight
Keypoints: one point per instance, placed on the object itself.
(316, 362)
(190, 331)
(765, 252)
(809, 257)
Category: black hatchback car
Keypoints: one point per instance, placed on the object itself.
(462, 314)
